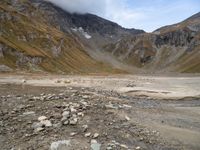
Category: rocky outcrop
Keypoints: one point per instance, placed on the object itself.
(175, 38)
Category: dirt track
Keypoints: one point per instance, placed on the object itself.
(127, 112)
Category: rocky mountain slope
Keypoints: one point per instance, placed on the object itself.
(170, 48)
(39, 36)
(30, 41)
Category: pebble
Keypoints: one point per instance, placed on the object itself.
(41, 118)
(67, 81)
(60, 145)
(64, 119)
(39, 129)
(95, 145)
(66, 122)
(66, 114)
(46, 123)
(88, 134)
(80, 114)
(93, 141)
(85, 97)
(95, 135)
(85, 127)
(36, 125)
(127, 118)
(109, 148)
(73, 110)
(138, 148)
(84, 103)
(73, 133)
(29, 113)
(73, 121)
(123, 146)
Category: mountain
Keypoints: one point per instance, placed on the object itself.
(171, 48)
(31, 39)
(36, 35)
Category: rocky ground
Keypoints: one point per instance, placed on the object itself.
(90, 117)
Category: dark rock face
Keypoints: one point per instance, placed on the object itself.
(175, 38)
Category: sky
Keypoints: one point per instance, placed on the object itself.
(148, 15)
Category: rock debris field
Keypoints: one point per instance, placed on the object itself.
(83, 118)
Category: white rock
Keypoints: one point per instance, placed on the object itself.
(85, 97)
(60, 145)
(66, 122)
(80, 114)
(41, 118)
(138, 148)
(127, 106)
(67, 81)
(66, 114)
(29, 113)
(73, 121)
(73, 133)
(46, 123)
(73, 110)
(93, 141)
(123, 146)
(95, 146)
(88, 134)
(127, 118)
(95, 135)
(39, 129)
(74, 116)
(109, 148)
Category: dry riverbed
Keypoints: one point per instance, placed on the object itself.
(99, 112)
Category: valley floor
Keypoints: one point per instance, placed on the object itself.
(99, 112)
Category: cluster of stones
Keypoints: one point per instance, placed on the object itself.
(73, 112)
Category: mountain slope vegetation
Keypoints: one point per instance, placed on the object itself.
(28, 43)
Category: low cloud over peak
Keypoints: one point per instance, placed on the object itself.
(82, 6)
(140, 14)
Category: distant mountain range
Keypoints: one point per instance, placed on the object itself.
(39, 36)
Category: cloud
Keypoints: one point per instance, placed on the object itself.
(114, 10)
(141, 14)
(82, 6)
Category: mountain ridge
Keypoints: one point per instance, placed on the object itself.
(98, 39)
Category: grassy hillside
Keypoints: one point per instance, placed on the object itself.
(28, 43)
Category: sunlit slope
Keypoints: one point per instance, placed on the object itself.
(29, 44)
